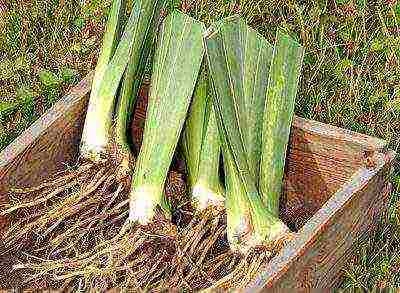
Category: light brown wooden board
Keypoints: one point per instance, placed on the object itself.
(321, 160)
(323, 246)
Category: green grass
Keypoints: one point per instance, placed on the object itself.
(45, 47)
(351, 78)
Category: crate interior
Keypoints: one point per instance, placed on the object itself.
(317, 164)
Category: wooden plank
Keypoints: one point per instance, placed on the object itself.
(321, 159)
(314, 258)
(32, 155)
(354, 140)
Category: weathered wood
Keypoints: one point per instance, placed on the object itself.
(331, 195)
(321, 158)
(321, 248)
(48, 144)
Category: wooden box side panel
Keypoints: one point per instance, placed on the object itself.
(321, 248)
(321, 159)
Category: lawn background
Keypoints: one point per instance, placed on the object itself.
(351, 78)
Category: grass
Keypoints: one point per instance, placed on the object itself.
(45, 47)
(351, 79)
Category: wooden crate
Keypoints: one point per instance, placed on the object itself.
(336, 187)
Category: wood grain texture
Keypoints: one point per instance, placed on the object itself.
(321, 248)
(321, 159)
(330, 195)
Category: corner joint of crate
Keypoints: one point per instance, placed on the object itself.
(374, 159)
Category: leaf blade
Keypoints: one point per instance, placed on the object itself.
(279, 109)
(172, 87)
